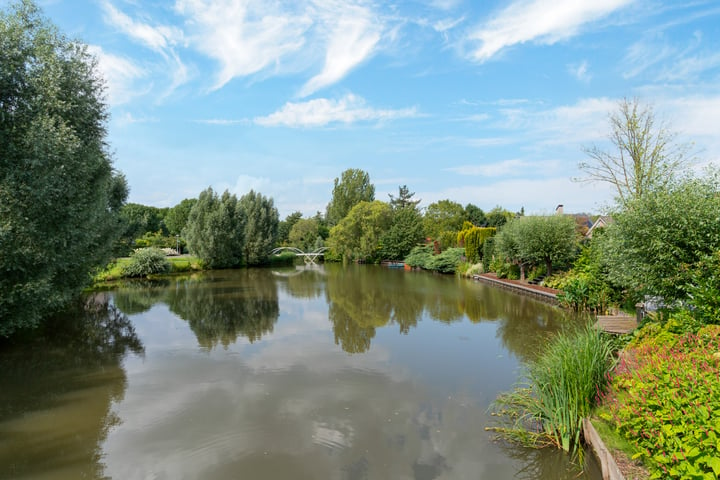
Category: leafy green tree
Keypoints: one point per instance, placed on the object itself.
(538, 239)
(59, 193)
(405, 232)
(304, 234)
(404, 199)
(285, 226)
(351, 188)
(138, 220)
(443, 216)
(475, 215)
(176, 217)
(357, 236)
(498, 216)
(215, 230)
(261, 226)
(647, 155)
(655, 242)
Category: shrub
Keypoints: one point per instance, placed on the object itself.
(146, 261)
(665, 402)
(447, 261)
(420, 257)
(561, 388)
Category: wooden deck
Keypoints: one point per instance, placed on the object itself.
(617, 323)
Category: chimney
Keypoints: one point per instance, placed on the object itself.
(559, 210)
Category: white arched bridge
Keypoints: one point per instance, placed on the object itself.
(308, 257)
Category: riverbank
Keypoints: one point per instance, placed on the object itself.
(544, 293)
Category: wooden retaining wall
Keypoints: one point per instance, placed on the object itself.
(610, 469)
(518, 288)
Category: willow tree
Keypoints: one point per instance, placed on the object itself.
(59, 193)
(261, 226)
(645, 153)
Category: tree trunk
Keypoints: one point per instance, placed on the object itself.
(548, 266)
(522, 272)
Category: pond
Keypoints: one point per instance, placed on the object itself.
(329, 372)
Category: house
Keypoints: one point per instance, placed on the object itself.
(602, 221)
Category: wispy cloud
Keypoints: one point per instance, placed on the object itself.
(353, 34)
(580, 71)
(121, 76)
(322, 111)
(223, 121)
(541, 21)
(160, 38)
(644, 54)
(514, 167)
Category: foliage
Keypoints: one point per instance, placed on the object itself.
(704, 290)
(137, 220)
(659, 240)
(357, 236)
(447, 261)
(157, 239)
(420, 257)
(176, 217)
(443, 216)
(475, 215)
(261, 224)
(115, 269)
(146, 261)
(488, 253)
(404, 233)
(562, 386)
(404, 199)
(59, 193)
(215, 230)
(285, 226)
(665, 402)
(304, 234)
(447, 239)
(473, 239)
(535, 239)
(283, 258)
(352, 188)
(498, 216)
(586, 286)
(647, 156)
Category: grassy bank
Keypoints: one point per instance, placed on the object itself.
(114, 270)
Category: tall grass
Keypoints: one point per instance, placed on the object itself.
(560, 387)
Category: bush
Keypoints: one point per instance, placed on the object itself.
(562, 387)
(447, 261)
(146, 261)
(665, 403)
(420, 257)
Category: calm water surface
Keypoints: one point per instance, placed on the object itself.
(323, 373)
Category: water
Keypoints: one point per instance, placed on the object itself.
(323, 373)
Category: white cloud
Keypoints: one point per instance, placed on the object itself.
(541, 21)
(354, 33)
(223, 121)
(120, 74)
(514, 167)
(322, 111)
(160, 39)
(157, 38)
(581, 71)
(644, 54)
(244, 36)
(245, 183)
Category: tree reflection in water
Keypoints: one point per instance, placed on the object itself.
(58, 388)
(221, 307)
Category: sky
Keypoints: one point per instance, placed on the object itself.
(482, 102)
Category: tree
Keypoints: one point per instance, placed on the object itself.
(357, 236)
(475, 215)
(443, 216)
(537, 239)
(404, 199)
(405, 232)
(177, 216)
(498, 216)
(352, 188)
(59, 193)
(285, 226)
(657, 241)
(138, 220)
(646, 157)
(304, 234)
(261, 226)
(215, 229)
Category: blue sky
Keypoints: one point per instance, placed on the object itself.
(483, 102)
